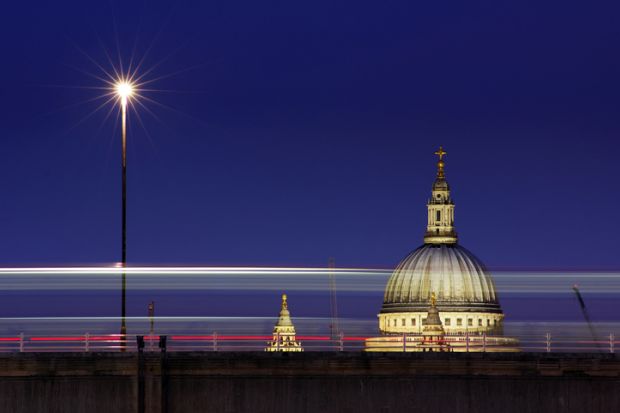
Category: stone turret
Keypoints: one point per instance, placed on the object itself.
(284, 332)
(432, 331)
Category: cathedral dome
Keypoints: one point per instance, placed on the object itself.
(461, 292)
(459, 280)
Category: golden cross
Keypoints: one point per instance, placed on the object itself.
(441, 153)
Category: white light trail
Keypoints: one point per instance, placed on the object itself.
(279, 279)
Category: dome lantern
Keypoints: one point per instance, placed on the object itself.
(440, 225)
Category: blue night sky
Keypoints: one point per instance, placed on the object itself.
(289, 132)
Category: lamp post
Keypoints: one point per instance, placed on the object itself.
(124, 90)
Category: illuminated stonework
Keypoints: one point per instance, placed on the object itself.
(466, 299)
(453, 322)
(433, 333)
(440, 225)
(284, 332)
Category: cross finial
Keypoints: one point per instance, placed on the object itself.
(440, 164)
(441, 153)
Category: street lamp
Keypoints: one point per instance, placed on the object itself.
(124, 90)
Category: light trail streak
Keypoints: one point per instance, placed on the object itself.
(279, 278)
(532, 335)
(227, 327)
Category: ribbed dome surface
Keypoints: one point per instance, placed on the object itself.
(454, 274)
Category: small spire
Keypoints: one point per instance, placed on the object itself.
(433, 321)
(432, 331)
(284, 332)
(440, 163)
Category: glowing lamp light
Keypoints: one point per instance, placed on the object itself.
(124, 90)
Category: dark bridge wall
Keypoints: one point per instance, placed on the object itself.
(309, 382)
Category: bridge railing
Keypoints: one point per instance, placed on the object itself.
(394, 343)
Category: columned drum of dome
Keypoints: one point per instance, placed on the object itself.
(466, 299)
